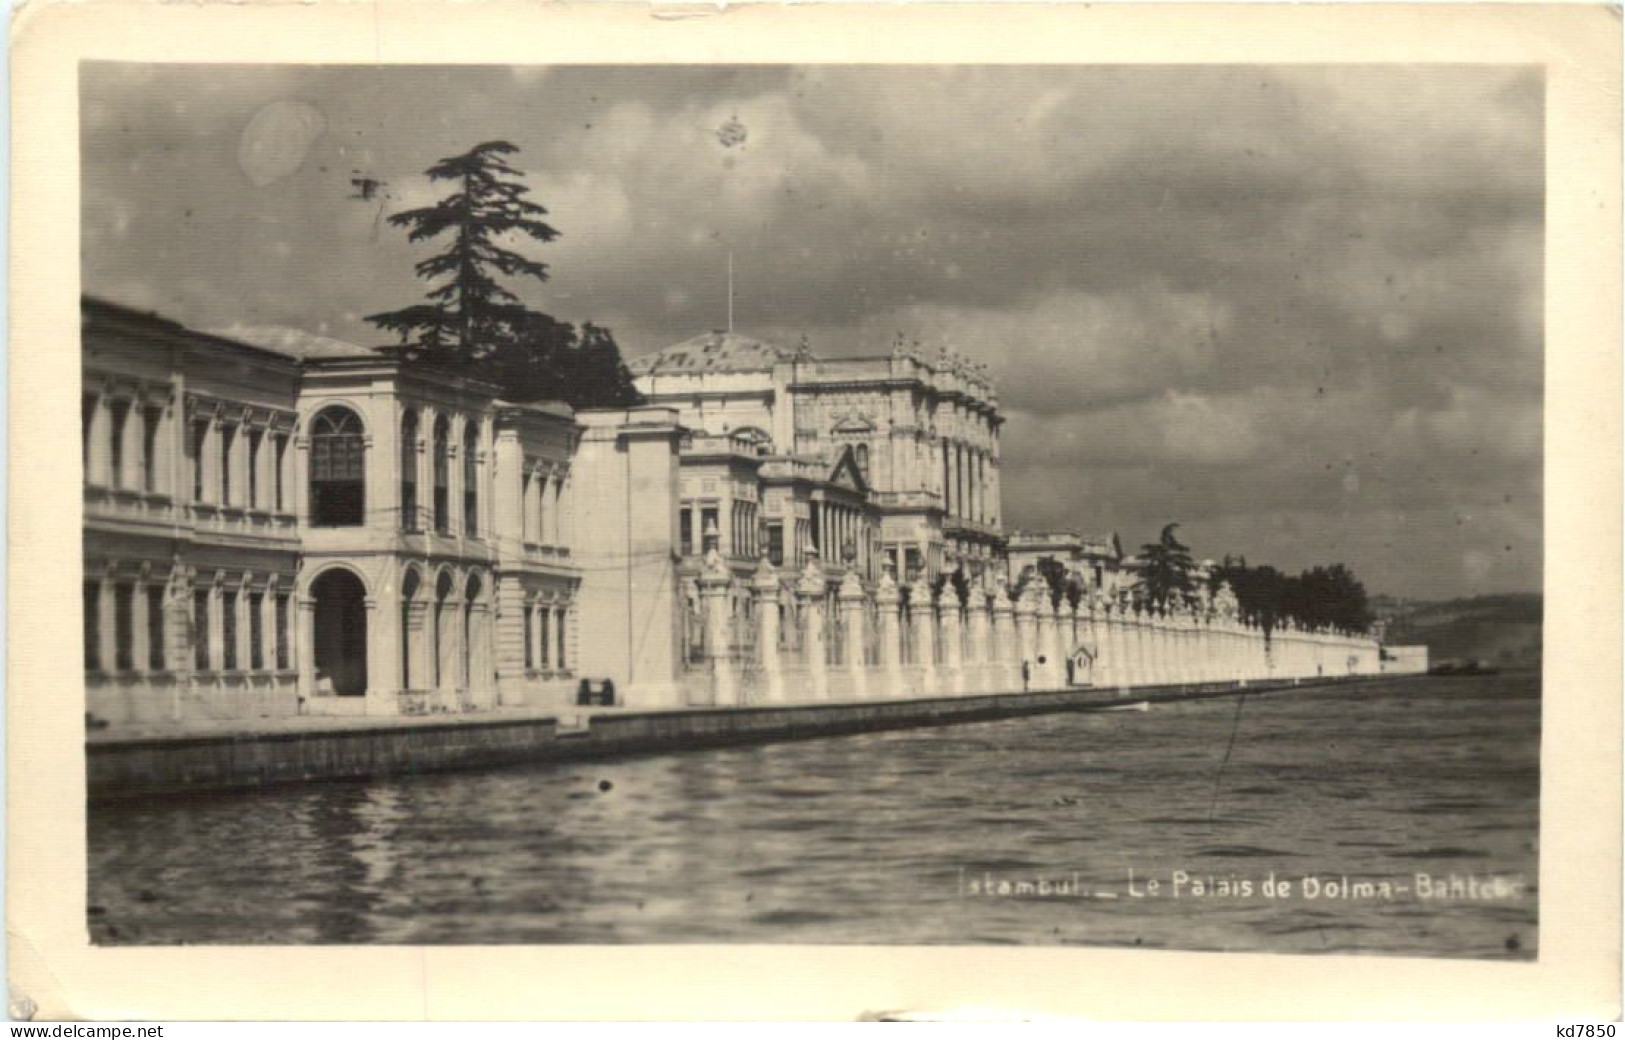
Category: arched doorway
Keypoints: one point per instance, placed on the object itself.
(341, 632)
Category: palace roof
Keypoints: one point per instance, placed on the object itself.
(290, 342)
(713, 352)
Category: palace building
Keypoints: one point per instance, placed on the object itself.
(277, 523)
(873, 462)
(280, 524)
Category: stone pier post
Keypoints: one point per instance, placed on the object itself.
(980, 649)
(1190, 660)
(1027, 637)
(1140, 620)
(810, 594)
(1004, 642)
(713, 583)
(887, 602)
(923, 625)
(853, 610)
(764, 587)
(1044, 642)
(1108, 658)
(953, 657)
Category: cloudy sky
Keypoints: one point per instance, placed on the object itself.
(1297, 310)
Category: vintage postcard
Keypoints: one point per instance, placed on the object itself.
(926, 503)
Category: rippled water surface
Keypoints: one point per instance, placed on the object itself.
(1068, 820)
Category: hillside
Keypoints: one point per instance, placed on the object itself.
(1503, 631)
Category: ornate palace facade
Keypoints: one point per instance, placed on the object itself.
(888, 461)
(278, 524)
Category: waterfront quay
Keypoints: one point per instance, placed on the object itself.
(229, 755)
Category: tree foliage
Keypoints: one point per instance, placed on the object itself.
(1313, 598)
(1165, 576)
(471, 319)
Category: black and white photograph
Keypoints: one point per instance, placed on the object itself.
(814, 504)
(787, 513)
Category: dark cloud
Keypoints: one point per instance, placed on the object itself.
(1298, 309)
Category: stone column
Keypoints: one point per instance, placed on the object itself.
(853, 608)
(922, 622)
(306, 656)
(713, 582)
(810, 594)
(953, 656)
(1004, 642)
(764, 587)
(887, 603)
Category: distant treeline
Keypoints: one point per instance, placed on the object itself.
(1314, 598)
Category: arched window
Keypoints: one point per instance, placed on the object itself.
(473, 634)
(410, 586)
(337, 483)
(442, 474)
(471, 479)
(443, 608)
(409, 471)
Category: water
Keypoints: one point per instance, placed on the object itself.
(891, 838)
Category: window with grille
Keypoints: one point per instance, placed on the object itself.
(124, 627)
(409, 472)
(200, 437)
(442, 474)
(200, 630)
(228, 631)
(530, 649)
(87, 419)
(120, 412)
(256, 631)
(279, 445)
(93, 625)
(337, 476)
(559, 625)
(149, 448)
(282, 603)
(254, 439)
(775, 544)
(155, 628)
(471, 479)
(228, 438)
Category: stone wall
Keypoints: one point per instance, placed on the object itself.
(844, 644)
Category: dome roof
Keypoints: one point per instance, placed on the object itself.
(712, 352)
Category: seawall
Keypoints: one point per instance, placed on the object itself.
(122, 768)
